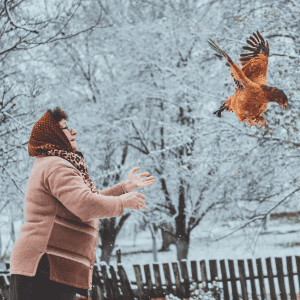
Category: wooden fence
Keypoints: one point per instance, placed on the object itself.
(244, 286)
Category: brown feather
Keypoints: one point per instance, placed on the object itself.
(252, 93)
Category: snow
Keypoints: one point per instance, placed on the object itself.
(103, 263)
(122, 69)
(271, 243)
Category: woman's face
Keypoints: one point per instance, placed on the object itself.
(69, 134)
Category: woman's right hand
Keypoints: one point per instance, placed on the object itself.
(133, 200)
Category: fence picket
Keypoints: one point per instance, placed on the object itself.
(242, 276)
(235, 295)
(280, 278)
(185, 276)
(118, 255)
(261, 279)
(159, 290)
(125, 285)
(194, 271)
(179, 289)
(204, 274)
(115, 285)
(252, 280)
(168, 278)
(107, 283)
(270, 279)
(151, 291)
(290, 276)
(213, 269)
(139, 281)
(97, 285)
(4, 287)
(224, 279)
(298, 269)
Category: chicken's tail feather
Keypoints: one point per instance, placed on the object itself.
(217, 48)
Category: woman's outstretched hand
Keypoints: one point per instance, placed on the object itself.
(133, 200)
(136, 181)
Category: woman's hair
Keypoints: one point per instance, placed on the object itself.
(58, 114)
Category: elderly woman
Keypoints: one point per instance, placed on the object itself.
(54, 255)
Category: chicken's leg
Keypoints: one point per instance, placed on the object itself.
(222, 108)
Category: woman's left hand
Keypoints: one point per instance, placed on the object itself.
(135, 181)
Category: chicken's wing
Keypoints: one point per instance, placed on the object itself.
(255, 63)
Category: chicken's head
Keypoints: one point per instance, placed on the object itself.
(276, 95)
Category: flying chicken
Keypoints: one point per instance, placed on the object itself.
(252, 93)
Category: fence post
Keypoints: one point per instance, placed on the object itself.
(168, 278)
(157, 279)
(4, 285)
(151, 292)
(213, 272)
(119, 256)
(224, 279)
(242, 275)
(107, 282)
(125, 285)
(185, 275)
(261, 279)
(139, 281)
(179, 289)
(204, 274)
(290, 276)
(280, 278)
(235, 295)
(114, 282)
(194, 271)
(270, 278)
(97, 286)
(251, 273)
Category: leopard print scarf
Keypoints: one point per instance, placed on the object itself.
(77, 160)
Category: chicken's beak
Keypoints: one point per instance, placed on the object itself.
(283, 105)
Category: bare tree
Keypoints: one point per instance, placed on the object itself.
(26, 27)
(150, 85)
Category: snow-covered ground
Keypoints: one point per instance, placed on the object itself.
(277, 241)
(272, 243)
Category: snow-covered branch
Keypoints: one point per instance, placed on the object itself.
(14, 23)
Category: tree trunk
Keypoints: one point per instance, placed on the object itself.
(266, 222)
(108, 232)
(106, 252)
(108, 235)
(135, 232)
(182, 233)
(154, 230)
(0, 246)
(167, 237)
(182, 249)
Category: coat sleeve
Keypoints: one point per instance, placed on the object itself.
(116, 190)
(68, 187)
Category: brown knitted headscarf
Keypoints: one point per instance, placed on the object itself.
(48, 138)
(46, 135)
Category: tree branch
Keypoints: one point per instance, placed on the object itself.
(9, 115)
(13, 181)
(257, 218)
(14, 23)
